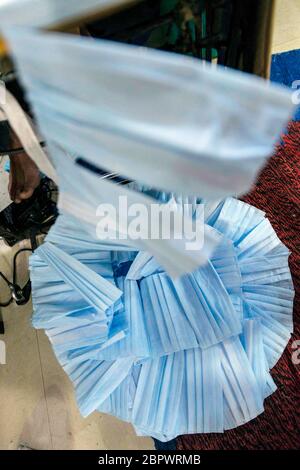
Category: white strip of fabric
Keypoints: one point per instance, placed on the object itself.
(23, 129)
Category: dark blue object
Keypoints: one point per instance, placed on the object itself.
(170, 445)
(285, 69)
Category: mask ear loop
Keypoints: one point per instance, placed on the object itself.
(113, 177)
(23, 129)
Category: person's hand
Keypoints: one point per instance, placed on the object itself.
(24, 175)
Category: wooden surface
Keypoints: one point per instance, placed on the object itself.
(286, 34)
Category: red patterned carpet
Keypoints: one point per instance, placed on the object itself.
(277, 192)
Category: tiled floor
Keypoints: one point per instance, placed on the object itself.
(37, 404)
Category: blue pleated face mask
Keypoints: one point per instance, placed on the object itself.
(170, 356)
(186, 359)
(164, 120)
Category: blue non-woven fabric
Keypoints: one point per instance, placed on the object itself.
(162, 121)
(171, 357)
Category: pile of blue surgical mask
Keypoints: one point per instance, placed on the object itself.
(170, 340)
